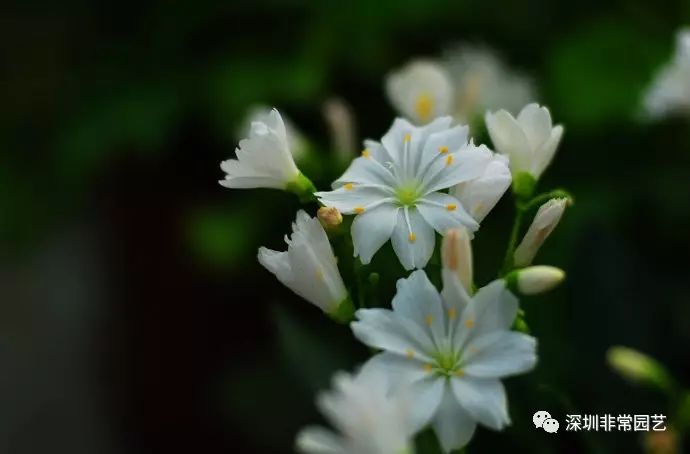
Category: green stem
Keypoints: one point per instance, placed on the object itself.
(512, 242)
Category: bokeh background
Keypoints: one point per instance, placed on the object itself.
(134, 317)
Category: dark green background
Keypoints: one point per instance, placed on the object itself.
(134, 317)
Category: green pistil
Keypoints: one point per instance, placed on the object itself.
(447, 363)
(407, 195)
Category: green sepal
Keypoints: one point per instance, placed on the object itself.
(524, 185)
(303, 187)
(344, 312)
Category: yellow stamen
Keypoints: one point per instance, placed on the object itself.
(428, 367)
(429, 319)
(451, 207)
(409, 353)
(412, 237)
(423, 107)
(452, 313)
(449, 160)
(469, 323)
(443, 150)
(348, 186)
(319, 275)
(407, 137)
(359, 210)
(365, 153)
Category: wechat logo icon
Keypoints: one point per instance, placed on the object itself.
(542, 419)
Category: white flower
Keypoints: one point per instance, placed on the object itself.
(264, 159)
(309, 267)
(530, 141)
(370, 419)
(534, 280)
(669, 93)
(297, 144)
(395, 189)
(547, 218)
(482, 82)
(479, 196)
(451, 351)
(421, 90)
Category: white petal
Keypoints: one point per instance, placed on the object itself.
(453, 425)
(244, 177)
(277, 263)
(454, 293)
(485, 400)
(400, 370)
(317, 440)
(371, 229)
(349, 201)
(545, 154)
(394, 140)
(382, 328)
(413, 243)
(509, 139)
(493, 308)
(444, 212)
(479, 196)
(417, 299)
(456, 167)
(536, 124)
(500, 354)
(366, 170)
(426, 397)
(439, 144)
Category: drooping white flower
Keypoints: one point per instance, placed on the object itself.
(451, 350)
(421, 91)
(669, 92)
(395, 187)
(309, 267)
(483, 82)
(479, 196)
(264, 159)
(547, 218)
(370, 419)
(297, 143)
(529, 141)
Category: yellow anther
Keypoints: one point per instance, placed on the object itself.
(423, 107)
(348, 186)
(319, 275)
(409, 353)
(429, 319)
(412, 237)
(359, 210)
(407, 137)
(428, 367)
(449, 159)
(452, 313)
(451, 207)
(365, 153)
(469, 323)
(443, 150)
(459, 373)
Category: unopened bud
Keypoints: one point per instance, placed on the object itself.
(637, 367)
(456, 254)
(534, 280)
(340, 120)
(546, 219)
(329, 217)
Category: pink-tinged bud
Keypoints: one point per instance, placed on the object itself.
(456, 254)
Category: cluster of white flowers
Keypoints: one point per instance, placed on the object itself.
(465, 83)
(441, 354)
(669, 92)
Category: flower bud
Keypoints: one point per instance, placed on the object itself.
(546, 219)
(456, 254)
(637, 367)
(535, 279)
(329, 217)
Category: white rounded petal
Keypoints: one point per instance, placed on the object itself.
(371, 229)
(354, 199)
(418, 300)
(444, 212)
(500, 354)
(413, 241)
(317, 440)
(509, 139)
(426, 396)
(536, 124)
(547, 151)
(440, 143)
(382, 328)
(401, 370)
(453, 425)
(365, 170)
(479, 196)
(485, 400)
(394, 140)
(421, 90)
(493, 308)
(456, 167)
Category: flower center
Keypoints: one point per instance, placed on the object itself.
(407, 194)
(447, 363)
